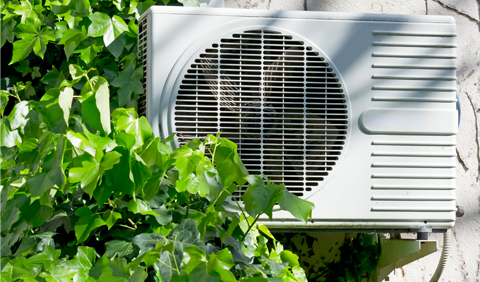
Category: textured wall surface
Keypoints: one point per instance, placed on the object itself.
(464, 259)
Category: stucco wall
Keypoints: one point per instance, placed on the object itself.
(464, 260)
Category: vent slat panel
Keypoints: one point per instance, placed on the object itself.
(276, 98)
(142, 54)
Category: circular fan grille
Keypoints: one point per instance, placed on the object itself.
(276, 98)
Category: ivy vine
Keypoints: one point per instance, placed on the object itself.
(88, 193)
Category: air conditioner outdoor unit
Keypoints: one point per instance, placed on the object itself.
(354, 112)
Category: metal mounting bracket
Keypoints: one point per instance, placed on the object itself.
(397, 253)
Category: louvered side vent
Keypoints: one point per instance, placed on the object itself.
(142, 54)
(404, 167)
(278, 99)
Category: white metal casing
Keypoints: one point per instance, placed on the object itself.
(396, 168)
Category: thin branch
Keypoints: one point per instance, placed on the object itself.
(450, 7)
(476, 133)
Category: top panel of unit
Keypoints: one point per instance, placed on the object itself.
(314, 15)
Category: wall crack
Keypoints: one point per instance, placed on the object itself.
(476, 133)
(452, 8)
(461, 161)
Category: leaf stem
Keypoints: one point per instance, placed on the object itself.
(173, 254)
(169, 265)
(132, 223)
(15, 90)
(126, 226)
(238, 204)
(250, 227)
(89, 82)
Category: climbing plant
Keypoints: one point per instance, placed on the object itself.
(88, 193)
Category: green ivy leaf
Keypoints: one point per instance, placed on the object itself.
(52, 79)
(45, 258)
(291, 258)
(87, 222)
(121, 176)
(129, 122)
(77, 72)
(129, 82)
(259, 198)
(88, 174)
(139, 206)
(82, 6)
(228, 162)
(65, 102)
(36, 72)
(96, 105)
(79, 141)
(35, 213)
(117, 248)
(39, 184)
(31, 40)
(88, 49)
(92, 170)
(197, 258)
(18, 117)
(167, 265)
(7, 31)
(8, 138)
(101, 194)
(56, 107)
(120, 4)
(59, 218)
(28, 11)
(200, 274)
(164, 216)
(117, 45)
(71, 38)
(7, 272)
(82, 263)
(299, 208)
(220, 264)
(23, 67)
(9, 217)
(185, 235)
(138, 8)
(155, 152)
(148, 241)
(109, 28)
(58, 273)
(4, 97)
(141, 174)
(110, 217)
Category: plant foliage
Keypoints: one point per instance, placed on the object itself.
(88, 193)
